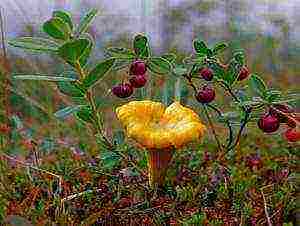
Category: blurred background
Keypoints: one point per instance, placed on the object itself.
(268, 30)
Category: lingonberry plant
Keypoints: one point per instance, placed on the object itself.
(250, 95)
(162, 130)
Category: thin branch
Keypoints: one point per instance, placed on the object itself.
(36, 168)
(266, 209)
(212, 127)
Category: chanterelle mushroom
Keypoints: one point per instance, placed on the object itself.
(161, 130)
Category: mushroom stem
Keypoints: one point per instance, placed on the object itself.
(158, 162)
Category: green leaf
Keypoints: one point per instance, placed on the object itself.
(98, 72)
(218, 70)
(43, 78)
(232, 72)
(65, 16)
(67, 111)
(85, 22)
(258, 85)
(141, 46)
(121, 63)
(85, 113)
(57, 28)
(110, 160)
(273, 95)
(171, 57)
(120, 53)
(70, 89)
(87, 52)
(201, 47)
(180, 70)
(220, 47)
(35, 44)
(159, 65)
(73, 50)
(239, 57)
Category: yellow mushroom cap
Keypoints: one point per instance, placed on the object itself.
(156, 127)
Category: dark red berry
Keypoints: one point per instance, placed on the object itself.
(254, 161)
(122, 90)
(292, 135)
(206, 94)
(268, 123)
(244, 73)
(138, 67)
(207, 74)
(138, 81)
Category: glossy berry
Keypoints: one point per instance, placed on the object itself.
(244, 73)
(207, 74)
(206, 94)
(292, 135)
(138, 81)
(268, 123)
(122, 90)
(138, 67)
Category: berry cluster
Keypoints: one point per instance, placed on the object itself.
(137, 79)
(277, 114)
(207, 94)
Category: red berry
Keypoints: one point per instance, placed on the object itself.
(138, 81)
(207, 74)
(138, 67)
(292, 135)
(244, 73)
(254, 161)
(268, 123)
(122, 90)
(206, 94)
(4, 128)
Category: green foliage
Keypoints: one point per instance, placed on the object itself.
(159, 65)
(65, 16)
(196, 219)
(67, 111)
(201, 48)
(257, 85)
(35, 44)
(72, 51)
(57, 28)
(44, 78)
(85, 113)
(141, 46)
(219, 48)
(85, 22)
(98, 72)
(120, 53)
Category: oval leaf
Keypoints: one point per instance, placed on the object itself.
(35, 44)
(159, 65)
(85, 114)
(86, 21)
(57, 28)
(67, 111)
(98, 72)
(120, 53)
(220, 47)
(65, 16)
(258, 85)
(73, 50)
(200, 46)
(141, 46)
(43, 78)
(70, 89)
